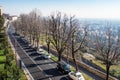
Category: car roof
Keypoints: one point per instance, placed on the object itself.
(78, 73)
(62, 62)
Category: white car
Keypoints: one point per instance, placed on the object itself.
(40, 51)
(46, 56)
(76, 76)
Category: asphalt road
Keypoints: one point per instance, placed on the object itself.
(39, 68)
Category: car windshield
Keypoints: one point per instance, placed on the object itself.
(66, 66)
(47, 54)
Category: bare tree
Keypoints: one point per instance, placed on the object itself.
(29, 26)
(16, 25)
(108, 47)
(77, 39)
(60, 32)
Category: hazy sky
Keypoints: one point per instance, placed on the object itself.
(80, 8)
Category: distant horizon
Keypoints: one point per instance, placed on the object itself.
(96, 9)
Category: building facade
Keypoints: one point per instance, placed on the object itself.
(13, 18)
(0, 10)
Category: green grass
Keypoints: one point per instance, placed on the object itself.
(54, 58)
(1, 52)
(2, 66)
(86, 76)
(23, 77)
(113, 67)
(2, 58)
(99, 63)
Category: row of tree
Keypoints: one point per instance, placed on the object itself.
(65, 32)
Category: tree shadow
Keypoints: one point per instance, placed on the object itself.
(53, 72)
(65, 78)
(31, 65)
(33, 54)
(46, 63)
(39, 58)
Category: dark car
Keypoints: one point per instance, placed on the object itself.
(63, 67)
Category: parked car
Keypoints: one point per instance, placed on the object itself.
(40, 51)
(46, 56)
(63, 67)
(76, 76)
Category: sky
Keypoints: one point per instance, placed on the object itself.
(79, 8)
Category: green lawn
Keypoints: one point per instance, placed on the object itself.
(54, 58)
(99, 63)
(2, 66)
(114, 69)
(1, 52)
(2, 58)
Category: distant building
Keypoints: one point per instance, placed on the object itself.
(0, 10)
(13, 18)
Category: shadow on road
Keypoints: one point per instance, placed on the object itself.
(33, 54)
(39, 58)
(31, 65)
(53, 71)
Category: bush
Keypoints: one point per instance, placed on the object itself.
(116, 73)
(14, 73)
(9, 58)
(3, 74)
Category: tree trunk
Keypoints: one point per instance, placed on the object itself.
(30, 38)
(48, 44)
(37, 43)
(59, 56)
(107, 70)
(74, 60)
